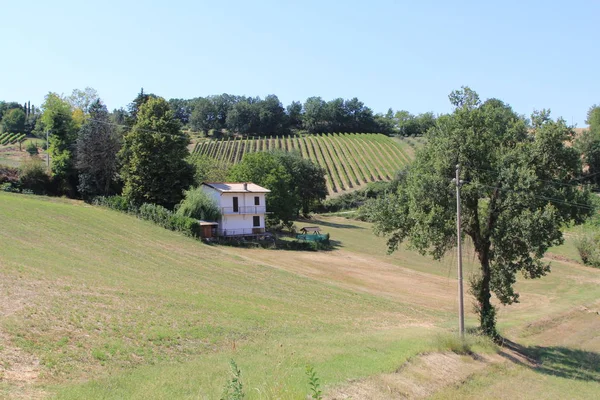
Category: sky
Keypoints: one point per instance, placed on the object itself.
(404, 55)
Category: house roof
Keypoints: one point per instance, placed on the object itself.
(236, 187)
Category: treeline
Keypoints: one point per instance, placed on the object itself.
(256, 116)
(240, 115)
(142, 155)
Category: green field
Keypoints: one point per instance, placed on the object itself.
(350, 160)
(99, 304)
(12, 155)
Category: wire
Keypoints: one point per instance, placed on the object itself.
(544, 180)
(584, 206)
(143, 130)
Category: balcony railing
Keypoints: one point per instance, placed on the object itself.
(244, 210)
(243, 232)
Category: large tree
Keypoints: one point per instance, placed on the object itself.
(588, 144)
(13, 121)
(519, 191)
(57, 119)
(307, 180)
(593, 119)
(154, 154)
(266, 170)
(97, 148)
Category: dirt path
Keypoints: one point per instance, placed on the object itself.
(425, 375)
(366, 274)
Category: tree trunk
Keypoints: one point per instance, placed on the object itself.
(487, 312)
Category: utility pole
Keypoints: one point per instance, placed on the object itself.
(47, 151)
(461, 311)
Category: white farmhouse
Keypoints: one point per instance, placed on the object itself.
(242, 206)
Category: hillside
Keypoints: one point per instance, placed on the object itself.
(350, 160)
(101, 305)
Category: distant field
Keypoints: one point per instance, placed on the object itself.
(12, 156)
(350, 160)
(101, 305)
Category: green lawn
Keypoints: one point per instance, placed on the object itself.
(114, 307)
(103, 296)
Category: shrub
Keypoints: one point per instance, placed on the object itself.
(313, 383)
(234, 389)
(168, 220)
(31, 148)
(199, 205)
(9, 174)
(33, 176)
(152, 212)
(118, 203)
(587, 246)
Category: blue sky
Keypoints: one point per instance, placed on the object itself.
(399, 54)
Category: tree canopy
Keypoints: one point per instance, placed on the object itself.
(97, 148)
(154, 154)
(57, 118)
(266, 170)
(518, 193)
(13, 121)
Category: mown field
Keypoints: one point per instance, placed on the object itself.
(12, 154)
(97, 304)
(350, 160)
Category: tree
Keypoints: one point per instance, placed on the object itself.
(6, 106)
(97, 148)
(208, 169)
(588, 144)
(243, 118)
(13, 121)
(83, 99)
(154, 154)
(182, 109)
(57, 118)
(314, 114)
(593, 119)
(135, 105)
(294, 112)
(266, 170)
(307, 180)
(518, 192)
(199, 205)
(204, 115)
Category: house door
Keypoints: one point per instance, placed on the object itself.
(235, 204)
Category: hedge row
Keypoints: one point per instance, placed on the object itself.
(152, 212)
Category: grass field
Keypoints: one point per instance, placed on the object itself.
(101, 305)
(11, 156)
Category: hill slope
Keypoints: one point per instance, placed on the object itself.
(350, 160)
(93, 292)
(101, 305)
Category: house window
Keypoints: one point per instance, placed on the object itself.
(235, 205)
(256, 201)
(256, 221)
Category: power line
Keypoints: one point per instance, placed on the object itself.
(141, 129)
(554, 182)
(552, 199)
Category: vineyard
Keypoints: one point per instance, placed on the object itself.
(350, 160)
(11, 138)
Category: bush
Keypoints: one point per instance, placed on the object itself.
(152, 212)
(198, 205)
(587, 246)
(31, 148)
(118, 203)
(33, 176)
(9, 175)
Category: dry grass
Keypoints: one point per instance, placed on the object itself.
(101, 305)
